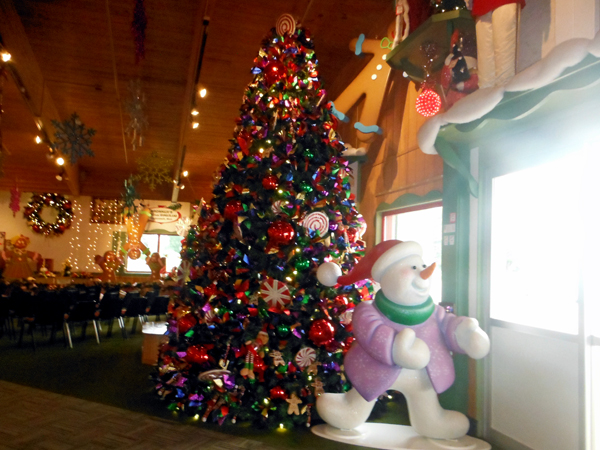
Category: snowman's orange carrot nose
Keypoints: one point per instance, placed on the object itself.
(426, 273)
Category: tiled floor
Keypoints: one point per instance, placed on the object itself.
(35, 419)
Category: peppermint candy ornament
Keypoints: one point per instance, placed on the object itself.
(346, 317)
(275, 293)
(276, 207)
(183, 272)
(316, 222)
(286, 24)
(305, 357)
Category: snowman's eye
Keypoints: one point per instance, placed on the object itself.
(414, 267)
(424, 266)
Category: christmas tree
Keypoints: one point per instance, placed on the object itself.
(253, 335)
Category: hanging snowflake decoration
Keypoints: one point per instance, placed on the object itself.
(154, 170)
(129, 197)
(72, 138)
(136, 107)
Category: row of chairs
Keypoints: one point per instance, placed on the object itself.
(63, 309)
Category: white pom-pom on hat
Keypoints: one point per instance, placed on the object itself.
(328, 273)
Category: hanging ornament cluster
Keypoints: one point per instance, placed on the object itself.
(130, 195)
(32, 213)
(72, 138)
(15, 200)
(154, 170)
(136, 107)
(428, 103)
(138, 28)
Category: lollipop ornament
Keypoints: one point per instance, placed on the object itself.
(403, 343)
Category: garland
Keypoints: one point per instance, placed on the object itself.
(32, 211)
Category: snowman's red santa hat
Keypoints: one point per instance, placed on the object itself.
(373, 265)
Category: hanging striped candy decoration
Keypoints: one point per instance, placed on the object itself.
(286, 24)
(305, 357)
(275, 293)
(316, 222)
(276, 206)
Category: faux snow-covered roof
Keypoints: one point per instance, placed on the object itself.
(480, 105)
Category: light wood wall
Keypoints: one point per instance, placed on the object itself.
(395, 165)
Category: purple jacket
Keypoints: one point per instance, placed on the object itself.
(369, 364)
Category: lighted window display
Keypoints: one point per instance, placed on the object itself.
(168, 246)
(536, 246)
(422, 224)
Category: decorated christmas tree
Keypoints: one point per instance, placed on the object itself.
(254, 336)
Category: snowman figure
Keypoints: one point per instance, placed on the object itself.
(403, 342)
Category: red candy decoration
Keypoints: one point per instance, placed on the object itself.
(321, 332)
(280, 233)
(197, 354)
(232, 209)
(270, 182)
(274, 71)
(428, 103)
(278, 392)
(185, 323)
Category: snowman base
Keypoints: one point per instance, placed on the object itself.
(395, 437)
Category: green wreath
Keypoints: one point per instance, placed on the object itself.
(40, 201)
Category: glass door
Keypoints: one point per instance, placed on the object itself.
(536, 242)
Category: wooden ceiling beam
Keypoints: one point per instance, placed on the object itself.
(30, 80)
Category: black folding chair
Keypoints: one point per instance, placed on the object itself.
(111, 307)
(82, 312)
(135, 308)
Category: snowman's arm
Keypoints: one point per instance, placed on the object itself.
(462, 334)
(372, 334)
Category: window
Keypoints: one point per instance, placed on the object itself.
(536, 245)
(422, 224)
(168, 246)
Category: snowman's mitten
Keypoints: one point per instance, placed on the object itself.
(472, 339)
(409, 351)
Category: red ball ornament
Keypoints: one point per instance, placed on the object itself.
(321, 332)
(428, 103)
(270, 182)
(280, 233)
(185, 323)
(278, 392)
(196, 354)
(232, 209)
(274, 71)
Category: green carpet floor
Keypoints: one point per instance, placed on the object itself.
(112, 373)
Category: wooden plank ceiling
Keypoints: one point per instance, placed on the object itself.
(62, 52)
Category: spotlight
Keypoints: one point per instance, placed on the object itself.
(38, 140)
(185, 173)
(60, 161)
(195, 112)
(202, 92)
(6, 56)
(195, 125)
